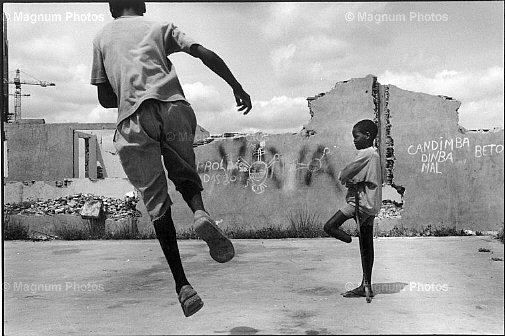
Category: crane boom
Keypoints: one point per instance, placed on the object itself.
(17, 93)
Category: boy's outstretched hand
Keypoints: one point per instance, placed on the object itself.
(216, 64)
(243, 100)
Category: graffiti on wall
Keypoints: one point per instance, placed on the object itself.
(257, 171)
(265, 166)
(487, 150)
(434, 154)
(318, 163)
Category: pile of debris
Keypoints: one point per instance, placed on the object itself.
(390, 209)
(114, 208)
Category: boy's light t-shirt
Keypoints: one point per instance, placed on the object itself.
(368, 171)
(131, 53)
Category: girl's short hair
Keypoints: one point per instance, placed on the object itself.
(367, 125)
(117, 6)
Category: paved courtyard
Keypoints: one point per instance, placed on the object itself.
(291, 286)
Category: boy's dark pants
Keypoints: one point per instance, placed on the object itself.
(162, 130)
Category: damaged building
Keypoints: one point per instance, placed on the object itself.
(441, 174)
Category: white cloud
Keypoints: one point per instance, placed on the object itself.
(467, 85)
(81, 73)
(282, 113)
(297, 49)
(206, 97)
(71, 100)
(309, 59)
(283, 16)
(205, 100)
(482, 114)
(295, 20)
(321, 46)
(277, 115)
(282, 57)
(58, 49)
(480, 92)
(100, 115)
(87, 114)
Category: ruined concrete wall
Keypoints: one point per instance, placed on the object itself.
(39, 152)
(260, 180)
(44, 152)
(452, 177)
(455, 179)
(16, 192)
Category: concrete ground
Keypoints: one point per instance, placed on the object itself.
(292, 286)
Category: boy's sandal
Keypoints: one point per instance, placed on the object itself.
(190, 300)
(220, 247)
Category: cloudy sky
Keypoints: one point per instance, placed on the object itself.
(280, 52)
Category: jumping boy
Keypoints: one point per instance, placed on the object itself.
(363, 175)
(132, 72)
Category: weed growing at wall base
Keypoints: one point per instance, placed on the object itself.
(13, 230)
(271, 232)
(124, 232)
(302, 224)
(305, 224)
(73, 232)
(424, 231)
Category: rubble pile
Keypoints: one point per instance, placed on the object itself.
(114, 208)
(390, 209)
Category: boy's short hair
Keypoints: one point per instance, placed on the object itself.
(117, 6)
(367, 125)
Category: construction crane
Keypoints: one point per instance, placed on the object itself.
(11, 117)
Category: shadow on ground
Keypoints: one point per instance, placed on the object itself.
(388, 287)
(384, 288)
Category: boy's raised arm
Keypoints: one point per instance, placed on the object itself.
(218, 66)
